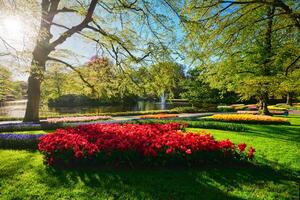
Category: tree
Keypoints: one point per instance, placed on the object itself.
(242, 45)
(6, 85)
(290, 86)
(197, 91)
(163, 79)
(127, 30)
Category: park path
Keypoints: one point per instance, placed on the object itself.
(116, 119)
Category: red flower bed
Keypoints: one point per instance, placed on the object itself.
(130, 143)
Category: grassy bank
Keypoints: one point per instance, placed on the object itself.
(274, 176)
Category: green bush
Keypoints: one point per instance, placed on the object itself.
(225, 109)
(185, 109)
(206, 124)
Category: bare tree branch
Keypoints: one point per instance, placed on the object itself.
(88, 18)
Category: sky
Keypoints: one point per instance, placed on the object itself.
(19, 30)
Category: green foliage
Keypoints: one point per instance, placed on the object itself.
(225, 108)
(98, 80)
(185, 109)
(242, 48)
(163, 78)
(6, 86)
(197, 91)
(201, 123)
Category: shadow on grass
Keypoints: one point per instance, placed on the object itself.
(288, 133)
(207, 182)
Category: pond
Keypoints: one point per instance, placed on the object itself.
(17, 108)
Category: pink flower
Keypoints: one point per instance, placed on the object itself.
(188, 151)
(169, 151)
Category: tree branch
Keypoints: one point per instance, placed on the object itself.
(291, 65)
(88, 18)
(92, 87)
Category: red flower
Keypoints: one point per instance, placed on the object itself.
(242, 147)
(251, 152)
(147, 140)
(79, 154)
(169, 151)
(188, 151)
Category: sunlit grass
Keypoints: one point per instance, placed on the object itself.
(275, 176)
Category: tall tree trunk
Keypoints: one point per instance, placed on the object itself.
(43, 48)
(34, 86)
(39, 57)
(264, 104)
(33, 103)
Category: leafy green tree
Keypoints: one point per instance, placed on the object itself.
(197, 91)
(243, 47)
(290, 86)
(128, 31)
(164, 79)
(6, 85)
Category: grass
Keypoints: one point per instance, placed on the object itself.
(275, 175)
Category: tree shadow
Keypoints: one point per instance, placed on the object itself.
(207, 182)
(287, 133)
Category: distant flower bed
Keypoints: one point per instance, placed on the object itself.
(158, 116)
(255, 112)
(132, 144)
(77, 119)
(248, 118)
(252, 107)
(19, 141)
(276, 108)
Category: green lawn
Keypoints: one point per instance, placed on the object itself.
(23, 175)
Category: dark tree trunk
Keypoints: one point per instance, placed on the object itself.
(33, 103)
(34, 86)
(264, 104)
(42, 50)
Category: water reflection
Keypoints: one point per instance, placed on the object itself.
(17, 108)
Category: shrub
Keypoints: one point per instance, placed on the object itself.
(248, 118)
(116, 144)
(19, 141)
(186, 109)
(239, 106)
(225, 108)
(206, 124)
